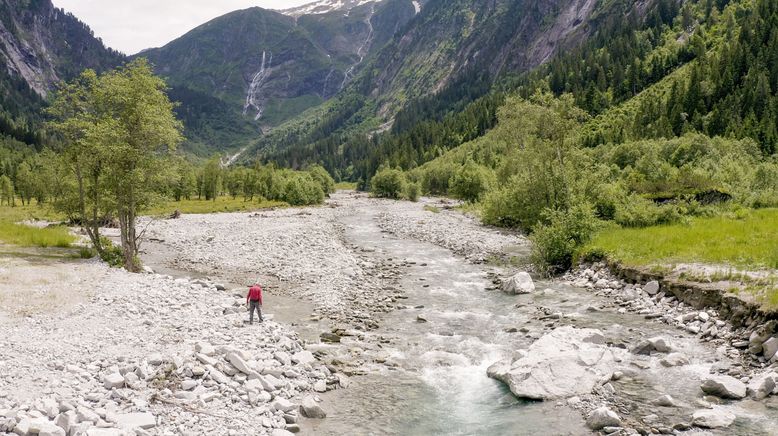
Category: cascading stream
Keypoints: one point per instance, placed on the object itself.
(253, 99)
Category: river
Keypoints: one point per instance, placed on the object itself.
(426, 370)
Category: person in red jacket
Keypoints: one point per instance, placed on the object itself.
(254, 302)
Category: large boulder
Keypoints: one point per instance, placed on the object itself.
(561, 364)
(521, 283)
(602, 417)
(724, 386)
(713, 418)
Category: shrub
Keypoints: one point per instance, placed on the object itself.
(388, 183)
(471, 182)
(323, 178)
(555, 242)
(412, 191)
(435, 178)
(301, 190)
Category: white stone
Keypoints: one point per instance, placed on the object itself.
(205, 348)
(311, 409)
(144, 420)
(114, 380)
(713, 418)
(238, 363)
(561, 364)
(724, 386)
(303, 358)
(283, 405)
(761, 386)
(769, 348)
(651, 288)
(602, 417)
(521, 283)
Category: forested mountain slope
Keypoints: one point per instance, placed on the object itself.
(40, 45)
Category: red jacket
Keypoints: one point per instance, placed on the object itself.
(255, 294)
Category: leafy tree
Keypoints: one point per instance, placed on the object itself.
(6, 191)
(117, 128)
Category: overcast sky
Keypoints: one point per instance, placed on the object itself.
(132, 25)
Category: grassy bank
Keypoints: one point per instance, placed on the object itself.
(749, 241)
(221, 204)
(26, 236)
(733, 245)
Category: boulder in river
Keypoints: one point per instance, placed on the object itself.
(713, 418)
(521, 283)
(602, 417)
(724, 386)
(561, 364)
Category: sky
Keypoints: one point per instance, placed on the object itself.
(133, 25)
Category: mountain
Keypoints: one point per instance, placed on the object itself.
(326, 6)
(39, 46)
(267, 67)
(456, 49)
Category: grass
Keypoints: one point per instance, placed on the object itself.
(26, 236)
(346, 186)
(747, 242)
(750, 242)
(221, 204)
(432, 209)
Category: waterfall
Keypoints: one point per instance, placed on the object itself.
(253, 98)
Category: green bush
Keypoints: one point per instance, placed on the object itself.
(323, 178)
(556, 240)
(471, 182)
(435, 178)
(301, 190)
(388, 183)
(412, 191)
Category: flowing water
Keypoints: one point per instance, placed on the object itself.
(439, 384)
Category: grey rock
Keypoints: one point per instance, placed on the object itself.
(114, 380)
(724, 386)
(311, 409)
(144, 420)
(664, 401)
(674, 359)
(283, 405)
(561, 364)
(602, 417)
(238, 363)
(651, 288)
(761, 386)
(281, 432)
(769, 348)
(713, 418)
(303, 358)
(205, 348)
(520, 283)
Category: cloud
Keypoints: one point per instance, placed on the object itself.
(133, 25)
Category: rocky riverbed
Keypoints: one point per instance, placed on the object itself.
(393, 321)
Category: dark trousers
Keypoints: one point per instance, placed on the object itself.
(254, 305)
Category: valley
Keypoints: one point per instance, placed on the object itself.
(467, 217)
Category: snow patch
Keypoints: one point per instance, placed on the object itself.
(417, 6)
